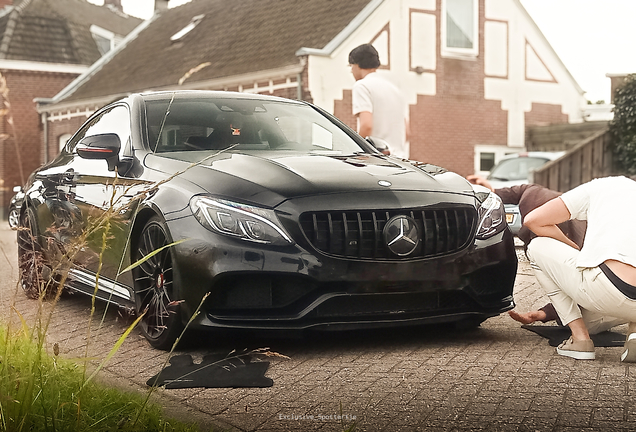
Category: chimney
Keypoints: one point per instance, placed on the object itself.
(114, 4)
(160, 5)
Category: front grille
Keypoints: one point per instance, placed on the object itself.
(359, 234)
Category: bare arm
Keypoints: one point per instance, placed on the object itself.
(475, 179)
(544, 219)
(365, 123)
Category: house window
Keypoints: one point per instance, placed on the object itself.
(486, 156)
(62, 140)
(460, 28)
(187, 29)
(486, 161)
(104, 39)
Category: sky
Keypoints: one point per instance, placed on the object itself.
(592, 37)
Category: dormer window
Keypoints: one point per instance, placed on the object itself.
(105, 40)
(187, 29)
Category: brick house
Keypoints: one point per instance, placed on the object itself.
(44, 46)
(475, 72)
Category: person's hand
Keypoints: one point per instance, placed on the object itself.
(475, 179)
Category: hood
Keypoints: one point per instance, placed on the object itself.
(273, 179)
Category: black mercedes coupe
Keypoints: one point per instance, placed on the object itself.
(259, 213)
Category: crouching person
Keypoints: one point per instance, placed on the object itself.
(601, 276)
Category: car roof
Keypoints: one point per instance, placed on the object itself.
(200, 94)
(536, 154)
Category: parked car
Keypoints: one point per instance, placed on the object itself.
(281, 214)
(515, 170)
(14, 207)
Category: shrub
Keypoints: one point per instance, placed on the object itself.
(623, 126)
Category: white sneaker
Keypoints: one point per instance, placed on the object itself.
(580, 350)
(629, 355)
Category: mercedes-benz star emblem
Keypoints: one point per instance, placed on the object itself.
(401, 235)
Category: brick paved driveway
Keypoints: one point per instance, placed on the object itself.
(499, 377)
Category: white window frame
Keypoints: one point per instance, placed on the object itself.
(106, 34)
(187, 29)
(500, 152)
(461, 53)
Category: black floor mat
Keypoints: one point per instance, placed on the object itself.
(215, 370)
(557, 334)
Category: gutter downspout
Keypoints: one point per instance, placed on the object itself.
(299, 78)
(44, 118)
(45, 129)
(299, 90)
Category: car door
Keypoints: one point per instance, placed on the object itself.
(100, 197)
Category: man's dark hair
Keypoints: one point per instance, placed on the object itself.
(365, 56)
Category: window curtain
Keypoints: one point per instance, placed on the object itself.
(460, 23)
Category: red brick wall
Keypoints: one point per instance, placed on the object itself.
(304, 78)
(24, 87)
(289, 93)
(545, 114)
(445, 130)
(343, 109)
(59, 128)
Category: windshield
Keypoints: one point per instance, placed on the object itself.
(516, 168)
(187, 124)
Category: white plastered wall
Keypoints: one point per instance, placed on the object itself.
(329, 76)
(527, 82)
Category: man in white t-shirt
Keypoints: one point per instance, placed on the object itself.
(601, 276)
(377, 103)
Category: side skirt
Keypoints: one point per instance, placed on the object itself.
(108, 290)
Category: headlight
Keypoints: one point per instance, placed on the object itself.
(492, 217)
(239, 220)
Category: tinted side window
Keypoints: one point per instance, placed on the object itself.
(115, 120)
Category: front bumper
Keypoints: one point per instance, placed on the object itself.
(296, 287)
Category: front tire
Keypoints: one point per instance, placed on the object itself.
(35, 275)
(154, 289)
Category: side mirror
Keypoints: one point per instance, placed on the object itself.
(103, 146)
(380, 145)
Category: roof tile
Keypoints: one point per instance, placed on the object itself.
(58, 31)
(236, 37)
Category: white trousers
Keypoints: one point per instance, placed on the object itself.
(578, 293)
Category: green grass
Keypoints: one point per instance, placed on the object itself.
(42, 392)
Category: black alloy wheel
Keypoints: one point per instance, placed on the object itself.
(30, 258)
(161, 324)
(14, 218)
